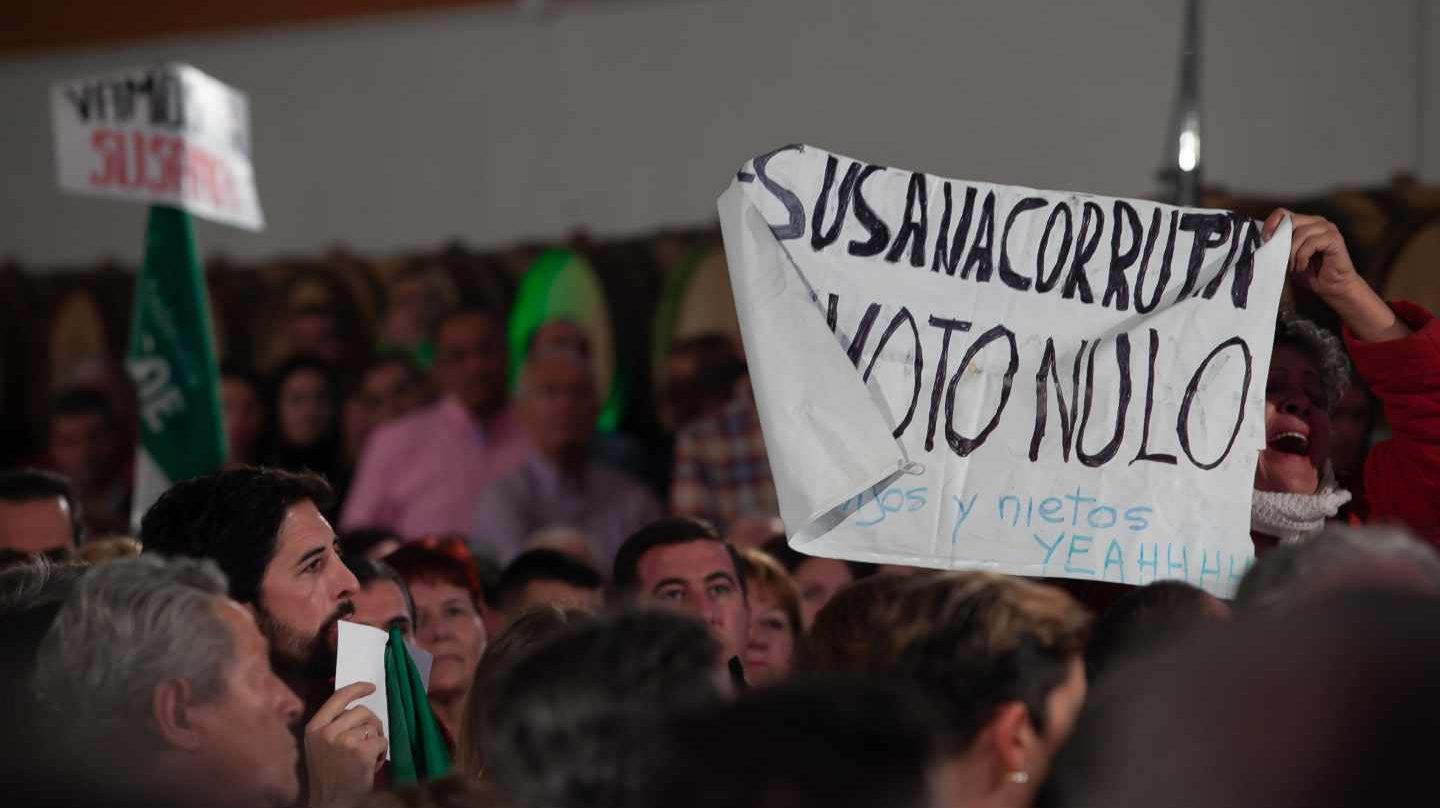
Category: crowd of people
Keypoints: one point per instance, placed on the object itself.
(599, 634)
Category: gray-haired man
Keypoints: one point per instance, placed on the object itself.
(157, 688)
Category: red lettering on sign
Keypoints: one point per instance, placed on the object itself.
(161, 164)
(110, 147)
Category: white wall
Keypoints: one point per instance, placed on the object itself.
(619, 117)
(1429, 89)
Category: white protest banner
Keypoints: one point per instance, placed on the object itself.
(961, 375)
(167, 134)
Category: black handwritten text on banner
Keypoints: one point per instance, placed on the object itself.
(963, 375)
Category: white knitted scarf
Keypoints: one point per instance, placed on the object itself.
(1293, 517)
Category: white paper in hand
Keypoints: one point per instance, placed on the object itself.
(360, 657)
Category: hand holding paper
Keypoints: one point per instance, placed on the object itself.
(344, 747)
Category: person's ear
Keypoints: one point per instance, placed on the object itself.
(1015, 740)
(172, 709)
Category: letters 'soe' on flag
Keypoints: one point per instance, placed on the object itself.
(963, 375)
(172, 361)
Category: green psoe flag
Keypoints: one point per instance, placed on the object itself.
(417, 749)
(172, 361)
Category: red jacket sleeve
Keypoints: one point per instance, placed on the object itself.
(1402, 474)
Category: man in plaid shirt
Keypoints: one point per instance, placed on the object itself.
(721, 473)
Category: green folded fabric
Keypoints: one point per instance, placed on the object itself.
(417, 748)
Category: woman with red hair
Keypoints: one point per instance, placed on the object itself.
(448, 625)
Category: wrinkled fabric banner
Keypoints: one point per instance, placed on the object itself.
(962, 375)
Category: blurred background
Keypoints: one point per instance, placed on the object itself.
(415, 156)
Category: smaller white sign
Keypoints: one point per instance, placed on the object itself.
(360, 657)
(167, 134)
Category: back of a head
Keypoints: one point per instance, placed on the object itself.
(976, 640)
(542, 565)
(24, 485)
(1147, 619)
(31, 596)
(521, 635)
(802, 745)
(1337, 704)
(128, 626)
(661, 533)
(576, 722)
(846, 630)
(368, 570)
(1338, 557)
(232, 518)
(779, 548)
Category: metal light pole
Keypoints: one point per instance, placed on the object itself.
(1181, 170)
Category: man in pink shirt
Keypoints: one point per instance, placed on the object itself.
(421, 473)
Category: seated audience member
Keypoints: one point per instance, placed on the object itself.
(383, 600)
(1148, 619)
(264, 530)
(305, 408)
(86, 447)
(314, 330)
(448, 625)
(421, 473)
(1324, 707)
(819, 578)
(683, 564)
(775, 628)
(560, 483)
(416, 299)
(722, 473)
(700, 376)
(546, 578)
(1338, 557)
(841, 639)
(576, 722)
(393, 385)
(1396, 351)
(242, 403)
(156, 688)
(520, 636)
(1001, 657)
(38, 514)
(802, 745)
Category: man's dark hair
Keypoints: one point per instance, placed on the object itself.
(803, 744)
(576, 723)
(790, 558)
(81, 401)
(232, 517)
(663, 533)
(367, 571)
(542, 565)
(33, 485)
(1145, 620)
